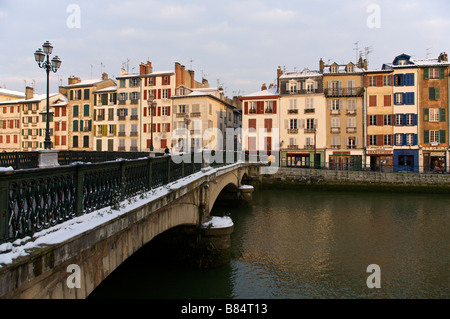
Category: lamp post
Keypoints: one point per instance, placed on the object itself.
(43, 60)
(151, 106)
(187, 121)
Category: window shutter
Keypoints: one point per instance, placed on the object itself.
(431, 93)
(245, 107)
(286, 124)
(442, 73)
(442, 136)
(168, 127)
(159, 110)
(403, 139)
(168, 111)
(426, 74)
(426, 115)
(379, 80)
(367, 81)
(415, 141)
(415, 120)
(75, 126)
(438, 93)
(159, 127)
(169, 91)
(380, 120)
(274, 109)
(442, 115)
(426, 136)
(403, 119)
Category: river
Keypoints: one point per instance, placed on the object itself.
(303, 245)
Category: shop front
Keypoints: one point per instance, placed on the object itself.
(435, 160)
(301, 159)
(380, 160)
(406, 160)
(345, 160)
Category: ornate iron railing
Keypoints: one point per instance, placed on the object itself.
(19, 160)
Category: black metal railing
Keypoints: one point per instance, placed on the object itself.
(35, 199)
(19, 160)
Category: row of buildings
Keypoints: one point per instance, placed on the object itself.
(347, 116)
(115, 115)
(339, 116)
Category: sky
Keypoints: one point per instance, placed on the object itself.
(237, 44)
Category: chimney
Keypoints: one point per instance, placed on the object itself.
(360, 63)
(177, 74)
(279, 72)
(263, 87)
(365, 64)
(191, 73)
(443, 57)
(321, 65)
(29, 93)
(183, 76)
(105, 76)
(74, 80)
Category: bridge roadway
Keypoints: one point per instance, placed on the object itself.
(71, 259)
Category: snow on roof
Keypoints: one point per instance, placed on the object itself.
(342, 69)
(36, 98)
(108, 89)
(305, 73)
(85, 83)
(429, 62)
(269, 92)
(11, 93)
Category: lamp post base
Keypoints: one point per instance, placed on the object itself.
(48, 158)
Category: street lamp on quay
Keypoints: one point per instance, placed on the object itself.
(42, 58)
(151, 106)
(187, 121)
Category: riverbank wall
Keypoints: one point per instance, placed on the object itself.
(288, 178)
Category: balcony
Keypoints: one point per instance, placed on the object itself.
(336, 147)
(292, 147)
(133, 149)
(121, 134)
(310, 130)
(293, 131)
(133, 133)
(348, 92)
(122, 118)
(309, 147)
(293, 111)
(351, 112)
(351, 129)
(196, 114)
(121, 148)
(268, 111)
(309, 111)
(180, 115)
(335, 112)
(335, 130)
(133, 117)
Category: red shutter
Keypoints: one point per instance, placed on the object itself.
(246, 108)
(149, 142)
(168, 80)
(260, 107)
(168, 111)
(268, 125)
(159, 110)
(367, 81)
(145, 128)
(145, 111)
(159, 127)
(169, 91)
(379, 80)
(268, 145)
(168, 127)
(163, 143)
(380, 120)
(146, 84)
(274, 107)
(145, 93)
(252, 123)
(387, 100)
(159, 94)
(154, 111)
(380, 140)
(56, 112)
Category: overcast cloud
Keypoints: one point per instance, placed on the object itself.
(238, 44)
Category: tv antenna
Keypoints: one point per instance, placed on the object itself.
(367, 50)
(357, 51)
(428, 52)
(190, 67)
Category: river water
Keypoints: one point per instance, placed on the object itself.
(301, 245)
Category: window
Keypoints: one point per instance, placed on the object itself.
(373, 140)
(399, 98)
(292, 86)
(399, 139)
(409, 119)
(351, 122)
(75, 141)
(75, 110)
(86, 110)
(122, 83)
(310, 124)
(399, 119)
(252, 107)
(335, 105)
(181, 108)
(335, 122)
(268, 107)
(372, 100)
(409, 139)
(351, 106)
(372, 120)
(434, 137)
(434, 93)
(335, 141)
(309, 103)
(86, 94)
(387, 80)
(372, 80)
(165, 110)
(387, 100)
(309, 87)
(387, 139)
(293, 124)
(387, 119)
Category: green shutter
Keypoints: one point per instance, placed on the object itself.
(442, 115)
(86, 110)
(75, 126)
(75, 111)
(432, 94)
(437, 93)
(426, 74)
(90, 125)
(426, 114)
(81, 125)
(442, 73)
(426, 136)
(442, 136)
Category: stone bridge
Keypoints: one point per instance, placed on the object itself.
(74, 267)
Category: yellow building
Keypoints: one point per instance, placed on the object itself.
(10, 95)
(344, 92)
(106, 119)
(379, 119)
(202, 117)
(80, 110)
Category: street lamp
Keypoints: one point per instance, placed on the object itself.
(43, 60)
(187, 121)
(151, 106)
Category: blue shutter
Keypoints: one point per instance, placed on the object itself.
(403, 119)
(403, 139)
(415, 120)
(415, 139)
